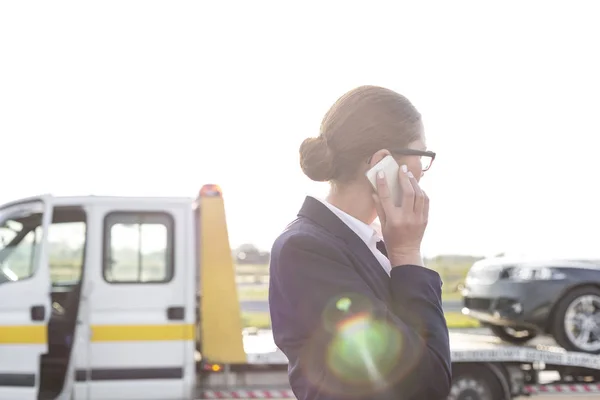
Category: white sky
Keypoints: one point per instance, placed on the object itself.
(150, 98)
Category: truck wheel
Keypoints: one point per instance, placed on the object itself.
(475, 382)
(576, 325)
(512, 335)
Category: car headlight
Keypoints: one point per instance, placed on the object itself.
(536, 274)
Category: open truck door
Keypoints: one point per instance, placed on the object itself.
(25, 304)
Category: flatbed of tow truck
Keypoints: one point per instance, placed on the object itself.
(529, 370)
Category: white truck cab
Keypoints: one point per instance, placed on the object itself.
(99, 296)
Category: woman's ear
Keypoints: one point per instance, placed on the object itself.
(378, 156)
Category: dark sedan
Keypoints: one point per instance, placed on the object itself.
(520, 299)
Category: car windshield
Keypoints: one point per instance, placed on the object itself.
(19, 238)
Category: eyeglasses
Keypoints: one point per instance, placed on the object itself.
(427, 157)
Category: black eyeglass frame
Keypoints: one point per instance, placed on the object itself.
(412, 152)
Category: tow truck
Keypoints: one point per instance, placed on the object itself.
(132, 298)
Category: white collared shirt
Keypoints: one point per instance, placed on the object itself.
(370, 234)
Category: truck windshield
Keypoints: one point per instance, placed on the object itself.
(19, 238)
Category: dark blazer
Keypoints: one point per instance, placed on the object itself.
(348, 329)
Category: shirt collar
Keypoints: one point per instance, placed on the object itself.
(369, 234)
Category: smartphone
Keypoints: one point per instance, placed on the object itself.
(391, 169)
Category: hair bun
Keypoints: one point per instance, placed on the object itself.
(316, 159)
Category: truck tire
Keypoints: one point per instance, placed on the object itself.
(511, 335)
(579, 307)
(475, 382)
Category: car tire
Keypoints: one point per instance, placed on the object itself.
(521, 336)
(476, 382)
(559, 330)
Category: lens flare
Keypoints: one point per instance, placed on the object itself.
(343, 304)
(342, 307)
(364, 350)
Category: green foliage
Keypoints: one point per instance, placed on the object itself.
(260, 320)
(252, 269)
(456, 320)
(453, 271)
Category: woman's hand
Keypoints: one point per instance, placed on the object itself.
(402, 227)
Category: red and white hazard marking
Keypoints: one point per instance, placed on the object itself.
(562, 389)
(248, 394)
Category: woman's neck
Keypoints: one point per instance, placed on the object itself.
(354, 200)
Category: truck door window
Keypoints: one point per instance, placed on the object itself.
(138, 247)
(20, 237)
(17, 250)
(66, 243)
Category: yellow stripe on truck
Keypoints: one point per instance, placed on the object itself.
(24, 334)
(138, 333)
(38, 334)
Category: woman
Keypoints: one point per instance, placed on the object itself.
(356, 319)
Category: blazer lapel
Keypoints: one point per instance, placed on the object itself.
(318, 213)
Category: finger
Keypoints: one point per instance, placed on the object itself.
(408, 193)
(383, 192)
(380, 210)
(419, 199)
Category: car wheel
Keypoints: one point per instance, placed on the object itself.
(474, 382)
(576, 324)
(513, 335)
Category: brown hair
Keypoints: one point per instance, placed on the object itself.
(361, 122)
